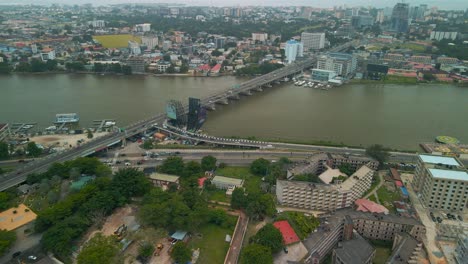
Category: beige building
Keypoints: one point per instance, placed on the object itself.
(313, 41)
(441, 182)
(225, 183)
(327, 197)
(164, 180)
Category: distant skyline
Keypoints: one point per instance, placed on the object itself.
(443, 5)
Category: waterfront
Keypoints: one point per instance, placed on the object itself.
(398, 116)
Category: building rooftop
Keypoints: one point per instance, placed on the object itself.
(439, 160)
(289, 236)
(365, 205)
(351, 181)
(328, 175)
(164, 177)
(16, 217)
(404, 250)
(355, 251)
(449, 174)
(227, 180)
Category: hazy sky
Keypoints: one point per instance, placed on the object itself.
(442, 4)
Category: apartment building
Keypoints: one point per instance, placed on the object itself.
(316, 164)
(342, 64)
(441, 182)
(461, 250)
(336, 160)
(353, 251)
(262, 37)
(314, 41)
(145, 27)
(421, 59)
(326, 197)
(150, 41)
(405, 249)
(292, 50)
(137, 64)
(447, 60)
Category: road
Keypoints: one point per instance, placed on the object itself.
(234, 249)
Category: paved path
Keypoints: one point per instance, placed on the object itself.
(237, 238)
(374, 191)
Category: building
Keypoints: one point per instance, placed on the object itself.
(167, 44)
(48, 54)
(289, 236)
(354, 251)
(33, 49)
(362, 21)
(314, 41)
(447, 60)
(150, 41)
(162, 66)
(461, 250)
(342, 64)
(380, 17)
(224, 182)
(322, 75)
(355, 162)
(219, 42)
(364, 205)
(145, 27)
(421, 59)
(439, 35)
(137, 64)
(134, 47)
(441, 182)
(400, 20)
(325, 197)
(4, 131)
(98, 23)
(164, 180)
(405, 249)
(262, 37)
(293, 49)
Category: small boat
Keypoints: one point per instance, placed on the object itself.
(51, 128)
(67, 118)
(28, 126)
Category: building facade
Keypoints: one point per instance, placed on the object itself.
(342, 64)
(314, 41)
(225, 183)
(134, 47)
(145, 27)
(293, 49)
(461, 251)
(441, 182)
(322, 75)
(262, 37)
(400, 21)
(137, 64)
(150, 41)
(325, 197)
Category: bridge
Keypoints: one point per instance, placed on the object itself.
(97, 144)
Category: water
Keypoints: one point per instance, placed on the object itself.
(399, 116)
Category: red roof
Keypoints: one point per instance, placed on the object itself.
(395, 174)
(289, 236)
(205, 67)
(398, 183)
(201, 181)
(365, 205)
(216, 68)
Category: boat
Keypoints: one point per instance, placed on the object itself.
(67, 118)
(27, 126)
(51, 128)
(109, 123)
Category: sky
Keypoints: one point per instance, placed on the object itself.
(441, 4)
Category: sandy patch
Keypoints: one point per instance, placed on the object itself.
(63, 140)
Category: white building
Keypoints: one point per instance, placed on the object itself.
(34, 48)
(167, 44)
(262, 37)
(145, 27)
(150, 41)
(380, 16)
(313, 41)
(48, 54)
(98, 23)
(225, 183)
(293, 49)
(134, 47)
(439, 35)
(342, 64)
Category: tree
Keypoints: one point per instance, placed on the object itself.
(129, 183)
(270, 237)
(4, 201)
(33, 150)
(208, 163)
(216, 53)
(4, 154)
(181, 253)
(256, 254)
(192, 168)
(238, 199)
(167, 57)
(145, 251)
(7, 238)
(260, 166)
(429, 77)
(346, 169)
(99, 250)
(172, 165)
(378, 152)
(127, 70)
(89, 134)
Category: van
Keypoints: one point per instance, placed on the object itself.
(127, 164)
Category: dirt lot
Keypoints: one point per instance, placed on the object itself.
(295, 253)
(62, 140)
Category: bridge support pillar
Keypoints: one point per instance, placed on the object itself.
(258, 89)
(223, 101)
(234, 97)
(248, 93)
(210, 107)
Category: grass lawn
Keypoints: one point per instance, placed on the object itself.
(116, 41)
(219, 195)
(375, 182)
(383, 250)
(400, 79)
(251, 182)
(372, 198)
(212, 246)
(414, 47)
(387, 197)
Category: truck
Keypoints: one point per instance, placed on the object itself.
(158, 250)
(120, 231)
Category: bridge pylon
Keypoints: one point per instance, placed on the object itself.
(258, 89)
(224, 101)
(210, 107)
(247, 93)
(234, 97)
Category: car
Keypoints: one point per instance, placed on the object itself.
(16, 254)
(32, 257)
(123, 155)
(459, 218)
(431, 214)
(21, 161)
(285, 249)
(177, 152)
(118, 162)
(159, 159)
(439, 220)
(433, 219)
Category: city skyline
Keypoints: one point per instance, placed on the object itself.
(443, 5)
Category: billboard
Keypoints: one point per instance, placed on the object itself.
(171, 110)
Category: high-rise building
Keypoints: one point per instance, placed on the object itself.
(380, 16)
(98, 23)
(143, 27)
(362, 21)
(219, 42)
(313, 41)
(400, 18)
(150, 41)
(167, 44)
(293, 50)
(441, 182)
(134, 47)
(342, 63)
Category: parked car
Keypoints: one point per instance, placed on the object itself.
(459, 218)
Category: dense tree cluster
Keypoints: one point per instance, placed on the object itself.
(270, 237)
(303, 225)
(378, 152)
(99, 250)
(256, 69)
(7, 238)
(256, 254)
(37, 65)
(67, 220)
(256, 204)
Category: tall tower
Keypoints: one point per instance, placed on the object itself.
(400, 15)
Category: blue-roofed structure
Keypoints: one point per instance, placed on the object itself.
(439, 160)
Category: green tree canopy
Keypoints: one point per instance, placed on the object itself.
(99, 250)
(238, 199)
(33, 150)
(378, 152)
(256, 254)
(270, 237)
(4, 154)
(260, 166)
(7, 238)
(208, 163)
(172, 165)
(181, 253)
